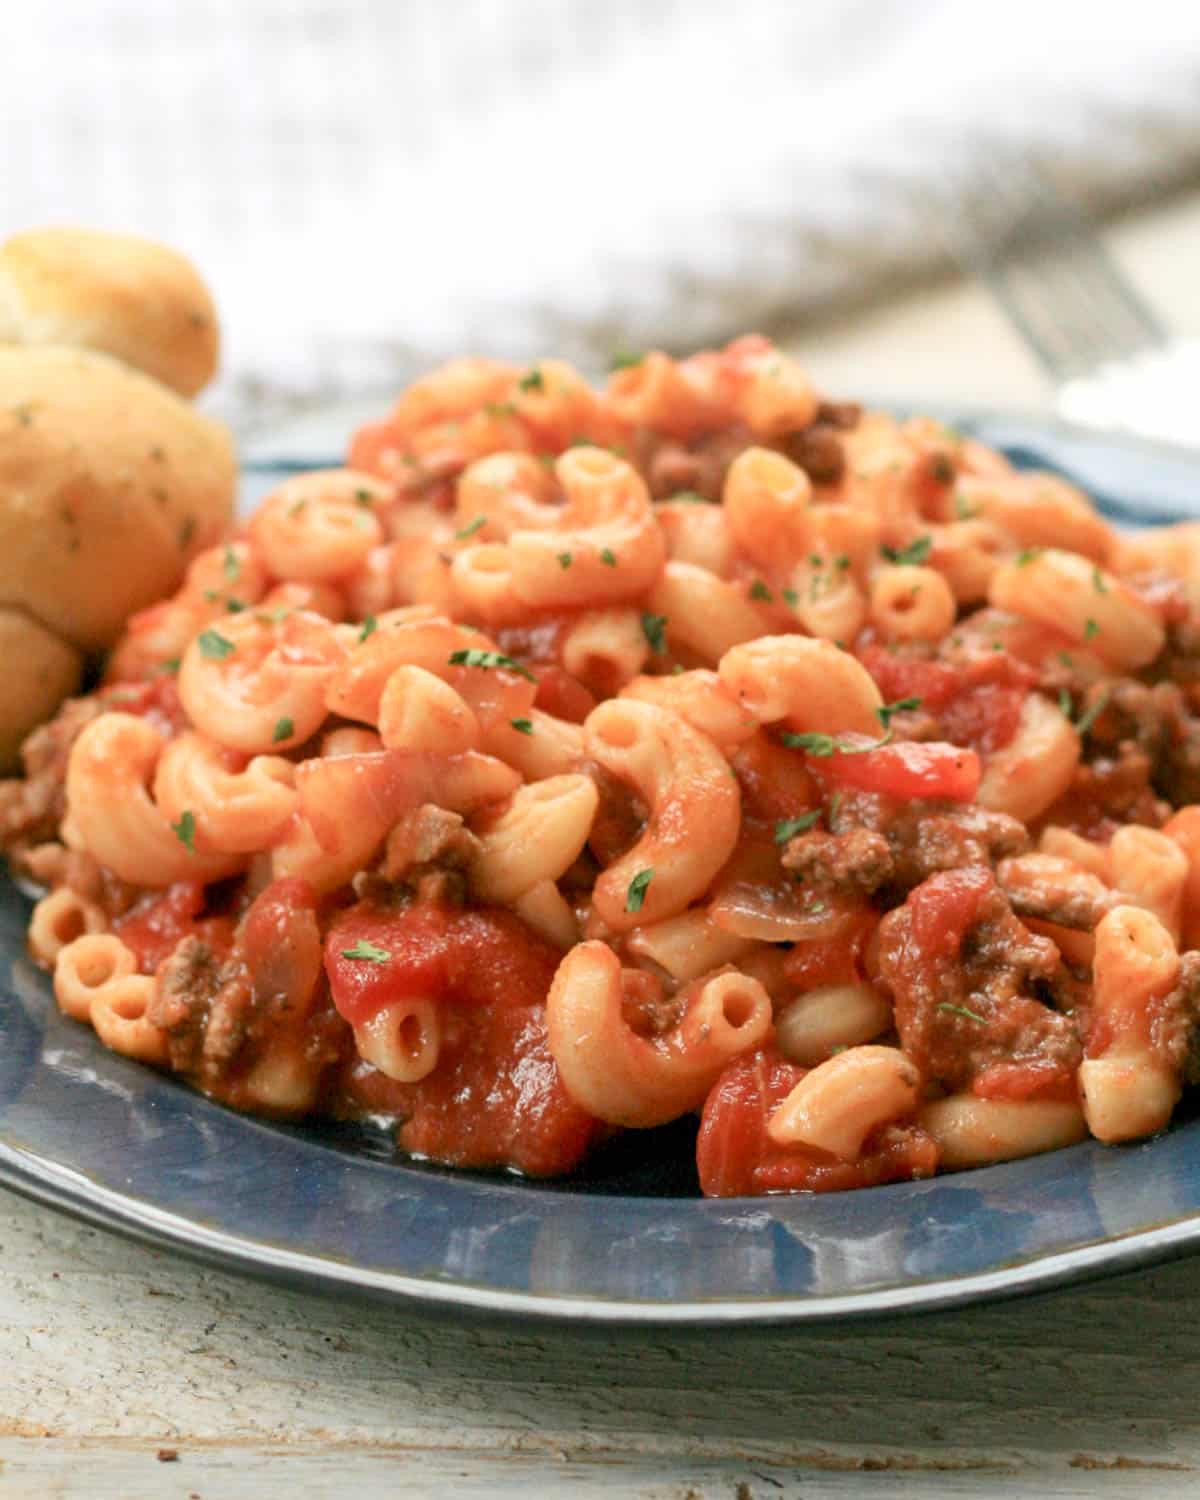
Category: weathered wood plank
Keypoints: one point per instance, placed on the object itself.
(116, 1350)
(60, 1470)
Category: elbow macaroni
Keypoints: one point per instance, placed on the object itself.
(675, 692)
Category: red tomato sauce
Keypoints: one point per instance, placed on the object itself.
(495, 1098)
(484, 957)
(154, 925)
(906, 770)
(736, 1157)
(978, 703)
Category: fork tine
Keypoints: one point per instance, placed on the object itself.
(1051, 275)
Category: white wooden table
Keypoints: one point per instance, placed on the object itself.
(126, 1372)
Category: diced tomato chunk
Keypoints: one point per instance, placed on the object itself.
(945, 907)
(825, 961)
(482, 957)
(562, 695)
(905, 770)
(152, 928)
(736, 1157)
(495, 1098)
(978, 703)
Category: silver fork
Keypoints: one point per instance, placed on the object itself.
(1113, 363)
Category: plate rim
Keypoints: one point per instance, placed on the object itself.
(38, 1177)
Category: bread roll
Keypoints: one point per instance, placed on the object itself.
(40, 670)
(116, 293)
(109, 485)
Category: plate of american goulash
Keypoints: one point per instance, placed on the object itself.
(681, 848)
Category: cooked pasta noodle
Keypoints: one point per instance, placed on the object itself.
(578, 760)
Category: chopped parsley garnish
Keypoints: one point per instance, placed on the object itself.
(791, 597)
(1098, 582)
(185, 830)
(522, 726)
(608, 558)
(638, 886)
(654, 629)
(759, 590)
(788, 828)
(1064, 702)
(171, 665)
(470, 528)
(1091, 630)
(911, 556)
(364, 498)
(902, 705)
(1026, 556)
(214, 645)
(233, 606)
(231, 567)
(368, 952)
(369, 627)
(625, 361)
(295, 508)
(532, 380)
(962, 507)
(691, 497)
(284, 729)
(474, 658)
(961, 1010)
(824, 745)
(1089, 716)
(500, 409)
(565, 559)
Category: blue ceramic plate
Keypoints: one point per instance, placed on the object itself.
(125, 1147)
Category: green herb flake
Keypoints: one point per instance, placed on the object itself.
(1064, 703)
(788, 828)
(791, 598)
(297, 507)
(1026, 556)
(474, 658)
(962, 507)
(825, 745)
(214, 645)
(635, 896)
(532, 380)
(470, 528)
(1098, 582)
(231, 567)
(625, 361)
(284, 729)
(911, 556)
(367, 952)
(565, 559)
(885, 711)
(364, 498)
(759, 590)
(1089, 717)
(500, 409)
(185, 830)
(691, 497)
(608, 558)
(171, 665)
(233, 606)
(1091, 630)
(654, 629)
(961, 1010)
(522, 726)
(369, 626)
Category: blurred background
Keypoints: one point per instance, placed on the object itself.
(372, 185)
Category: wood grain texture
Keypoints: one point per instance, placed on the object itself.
(110, 1351)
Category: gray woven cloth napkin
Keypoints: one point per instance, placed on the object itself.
(370, 186)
